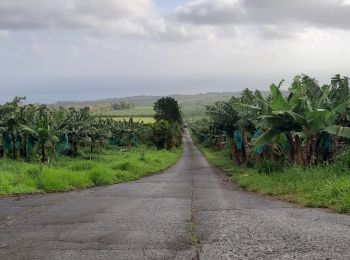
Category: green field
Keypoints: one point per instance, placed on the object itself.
(192, 106)
(145, 120)
(142, 111)
(65, 173)
(189, 111)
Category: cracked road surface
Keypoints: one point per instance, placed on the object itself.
(150, 219)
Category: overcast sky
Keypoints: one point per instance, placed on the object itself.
(87, 49)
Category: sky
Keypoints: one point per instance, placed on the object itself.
(54, 50)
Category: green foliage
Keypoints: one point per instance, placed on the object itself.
(167, 109)
(122, 105)
(37, 132)
(298, 127)
(223, 116)
(167, 135)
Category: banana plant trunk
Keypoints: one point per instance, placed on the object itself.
(268, 153)
(234, 154)
(295, 149)
(14, 146)
(24, 148)
(91, 150)
(310, 151)
(291, 147)
(335, 144)
(245, 146)
(43, 153)
(298, 151)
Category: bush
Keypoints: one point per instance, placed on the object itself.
(167, 135)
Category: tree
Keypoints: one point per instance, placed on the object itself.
(168, 109)
(116, 106)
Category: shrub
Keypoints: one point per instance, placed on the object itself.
(167, 135)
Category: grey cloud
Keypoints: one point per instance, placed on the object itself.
(175, 32)
(116, 17)
(40, 14)
(318, 13)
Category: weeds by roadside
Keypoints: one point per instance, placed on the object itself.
(64, 173)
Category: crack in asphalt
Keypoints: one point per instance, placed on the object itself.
(192, 226)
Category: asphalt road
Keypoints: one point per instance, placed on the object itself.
(151, 219)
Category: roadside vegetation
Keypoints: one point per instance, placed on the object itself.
(45, 149)
(64, 173)
(292, 146)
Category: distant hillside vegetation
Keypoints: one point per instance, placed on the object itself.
(149, 100)
(142, 106)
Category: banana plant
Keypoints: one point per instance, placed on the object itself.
(11, 123)
(44, 131)
(302, 117)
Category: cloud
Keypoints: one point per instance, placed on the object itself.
(123, 16)
(98, 17)
(316, 13)
(172, 31)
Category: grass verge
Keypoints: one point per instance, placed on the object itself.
(65, 174)
(325, 186)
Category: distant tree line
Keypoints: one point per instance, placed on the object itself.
(122, 105)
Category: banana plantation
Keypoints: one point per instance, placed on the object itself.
(306, 125)
(33, 132)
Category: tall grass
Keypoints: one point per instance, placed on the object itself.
(64, 173)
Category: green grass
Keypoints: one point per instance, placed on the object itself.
(325, 186)
(192, 228)
(65, 174)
